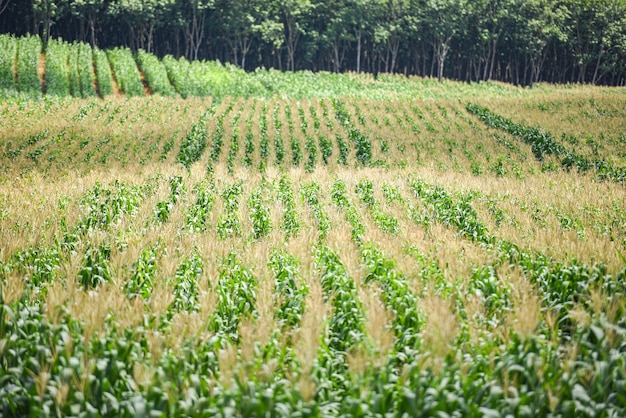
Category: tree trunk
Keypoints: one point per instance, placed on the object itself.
(359, 35)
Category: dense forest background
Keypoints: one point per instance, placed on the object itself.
(517, 41)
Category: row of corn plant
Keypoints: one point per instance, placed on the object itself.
(346, 328)
(362, 144)
(8, 53)
(198, 214)
(249, 138)
(106, 206)
(544, 143)
(195, 142)
(185, 285)
(126, 71)
(279, 144)
(561, 284)
(228, 223)
(163, 208)
(177, 73)
(103, 72)
(28, 52)
(234, 145)
(339, 196)
(310, 193)
(259, 210)
(236, 299)
(57, 73)
(290, 223)
(290, 289)
(294, 144)
(218, 138)
(155, 73)
(264, 141)
(81, 73)
(385, 221)
(144, 273)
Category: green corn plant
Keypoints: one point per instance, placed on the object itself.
(95, 269)
(228, 223)
(289, 293)
(309, 193)
(199, 213)
(236, 298)
(290, 223)
(259, 213)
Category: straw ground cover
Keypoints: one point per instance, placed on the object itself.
(319, 257)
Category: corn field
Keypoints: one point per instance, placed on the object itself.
(319, 256)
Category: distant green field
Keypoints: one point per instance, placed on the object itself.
(268, 244)
(68, 70)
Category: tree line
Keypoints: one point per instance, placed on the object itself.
(516, 41)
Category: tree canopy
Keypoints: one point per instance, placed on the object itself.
(517, 41)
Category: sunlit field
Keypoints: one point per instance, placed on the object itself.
(433, 249)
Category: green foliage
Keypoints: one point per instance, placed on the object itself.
(236, 298)
(155, 74)
(199, 213)
(228, 223)
(195, 142)
(103, 72)
(164, 208)
(290, 306)
(186, 285)
(95, 269)
(8, 55)
(385, 221)
(290, 223)
(260, 211)
(142, 280)
(28, 51)
(543, 143)
(57, 74)
(362, 144)
(125, 71)
(339, 196)
(310, 193)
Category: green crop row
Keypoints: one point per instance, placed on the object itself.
(57, 74)
(126, 72)
(155, 73)
(544, 143)
(8, 53)
(28, 52)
